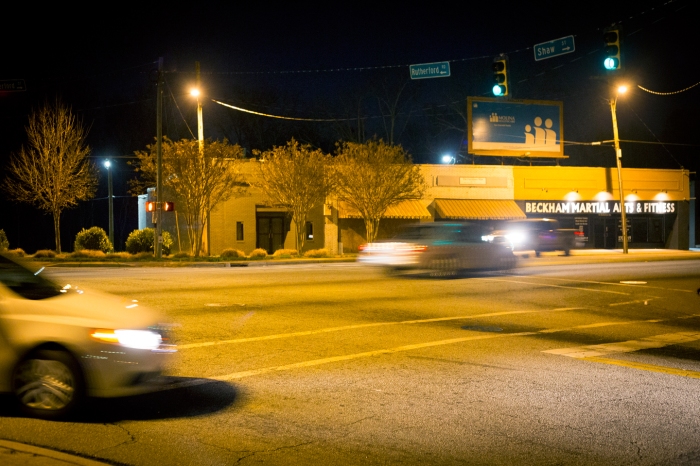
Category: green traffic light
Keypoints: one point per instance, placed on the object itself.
(498, 89)
(610, 63)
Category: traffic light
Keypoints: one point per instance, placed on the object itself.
(168, 206)
(150, 206)
(612, 50)
(500, 76)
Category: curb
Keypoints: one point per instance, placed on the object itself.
(15, 453)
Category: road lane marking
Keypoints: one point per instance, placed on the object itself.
(553, 286)
(604, 349)
(647, 367)
(359, 326)
(629, 285)
(366, 354)
(637, 301)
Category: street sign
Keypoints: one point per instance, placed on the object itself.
(430, 70)
(554, 48)
(12, 85)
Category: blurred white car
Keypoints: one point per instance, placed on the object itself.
(442, 248)
(59, 344)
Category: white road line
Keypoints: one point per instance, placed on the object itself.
(366, 354)
(554, 286)
(359, 326)
(614, 284)
(605, 349)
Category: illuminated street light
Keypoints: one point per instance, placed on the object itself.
(448, 159)
(618, 156)
(195, 92)
(108, 165)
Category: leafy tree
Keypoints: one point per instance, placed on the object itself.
(373, 176)
(200, 179)
(52, 171)
(297, 177)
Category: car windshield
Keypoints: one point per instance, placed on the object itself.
(448, 232)
(28, 284)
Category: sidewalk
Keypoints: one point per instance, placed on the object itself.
(19, 454)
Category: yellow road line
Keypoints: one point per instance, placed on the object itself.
(553, 286)
(646, 367)
(359, 326)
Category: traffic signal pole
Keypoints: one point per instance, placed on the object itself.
(159, 162)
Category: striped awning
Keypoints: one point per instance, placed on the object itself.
(404, 209)
(478, 209)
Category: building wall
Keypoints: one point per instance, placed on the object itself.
(521, 184)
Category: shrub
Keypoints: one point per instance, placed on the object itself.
(181, 255)
(94, 239)
(285, 253)
(4, 243)
(143, 241)
(230, 253)
(45, 253)
(142, 256)
(257, 254)
(19, 252)
(316, 253)
(87, 254)
(119, 255)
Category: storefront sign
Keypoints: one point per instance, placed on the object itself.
(603, 207)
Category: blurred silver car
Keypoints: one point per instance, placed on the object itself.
(59, 344)
(443, 249)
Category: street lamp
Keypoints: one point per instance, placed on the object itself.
(618, 157)
(108, 166)
(448, 159)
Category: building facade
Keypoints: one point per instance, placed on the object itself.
(586, 198)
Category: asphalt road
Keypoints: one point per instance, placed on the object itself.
(340, 364)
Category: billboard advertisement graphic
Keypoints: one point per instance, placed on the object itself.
(522, 128)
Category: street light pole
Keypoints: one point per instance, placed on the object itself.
(200, 137)
(108, 165)
(618, 157)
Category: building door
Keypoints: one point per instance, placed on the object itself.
(270, 233)
(606, 232)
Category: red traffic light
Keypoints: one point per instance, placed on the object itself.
(168, 206)
(150, 206)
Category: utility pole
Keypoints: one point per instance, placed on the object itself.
(159, 163)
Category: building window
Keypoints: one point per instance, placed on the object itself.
(309, 231)
(239, 231)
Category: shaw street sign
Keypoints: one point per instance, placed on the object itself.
(554, 48)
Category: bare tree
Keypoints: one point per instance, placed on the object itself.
(52, 171)
(373, 176)
(200, 179)
(297, 177)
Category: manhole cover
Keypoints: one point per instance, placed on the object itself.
(482, 328)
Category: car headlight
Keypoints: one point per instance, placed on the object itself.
(138, 339)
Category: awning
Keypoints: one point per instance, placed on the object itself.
(478, 209)
(404, 209)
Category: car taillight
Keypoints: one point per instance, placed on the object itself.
(361, 247)
(578, 233)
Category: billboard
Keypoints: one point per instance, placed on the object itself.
(515, 128)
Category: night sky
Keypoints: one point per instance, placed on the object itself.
(338, 63)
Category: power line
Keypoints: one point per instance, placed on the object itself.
(668, 93)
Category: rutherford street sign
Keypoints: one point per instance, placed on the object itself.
(12, 85)
(430, 70)
(554, 48)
